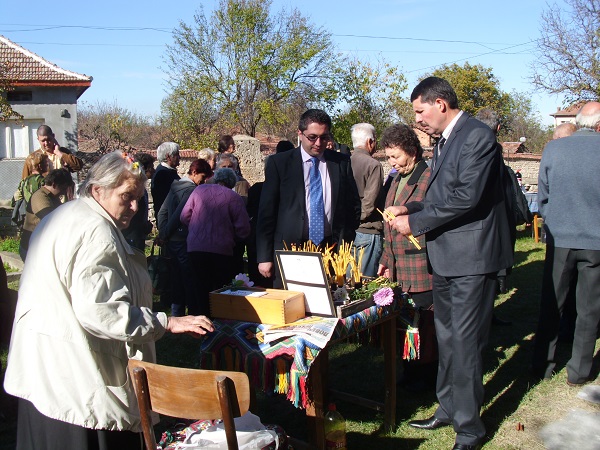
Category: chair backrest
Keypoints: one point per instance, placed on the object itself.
(191, 394)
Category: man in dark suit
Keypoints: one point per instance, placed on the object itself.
(168, 157)
(285, 204)
(468, 241)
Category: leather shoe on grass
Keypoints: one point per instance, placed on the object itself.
(428, 424)
(466, 447)
(571, 384)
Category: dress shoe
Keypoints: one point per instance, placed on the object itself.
(578, 383)
(428, 424)
(466, 447)
(500, 322)
(571, 384)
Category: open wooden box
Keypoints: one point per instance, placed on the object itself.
(257, 305)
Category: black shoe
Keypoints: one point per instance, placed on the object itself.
(428, 424)
(500, 322)
(466, 447)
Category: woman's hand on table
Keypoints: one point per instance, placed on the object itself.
(195, 325)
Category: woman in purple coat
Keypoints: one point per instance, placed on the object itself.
(216, 218)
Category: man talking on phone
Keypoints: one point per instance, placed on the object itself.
(60, 157)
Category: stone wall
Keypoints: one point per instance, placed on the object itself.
(252, 160)
(529, 168)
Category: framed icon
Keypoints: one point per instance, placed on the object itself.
(305, 272)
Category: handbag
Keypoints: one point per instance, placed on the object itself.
(159, 269)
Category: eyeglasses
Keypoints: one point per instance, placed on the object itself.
(312, 138)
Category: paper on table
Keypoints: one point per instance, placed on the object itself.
(243, 293)
(318, 301)
(315, 330)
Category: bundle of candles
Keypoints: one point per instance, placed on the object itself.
(336, 263)
(388, 217)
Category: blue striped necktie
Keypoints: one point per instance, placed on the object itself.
(316, 222)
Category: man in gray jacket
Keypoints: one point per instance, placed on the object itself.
(568, 193)
(368, 174)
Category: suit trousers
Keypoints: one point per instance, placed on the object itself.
(560, 267)
(463, 313)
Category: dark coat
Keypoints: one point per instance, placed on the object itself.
(282, 209)
(464, 212)
(160, 185)
(167, 221)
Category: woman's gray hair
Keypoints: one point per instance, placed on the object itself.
(226, 177)
(227, 157)
(110, 172)
(207, 154)
(166, 149)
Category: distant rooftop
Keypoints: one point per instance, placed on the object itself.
(28, 69)
(570, 111)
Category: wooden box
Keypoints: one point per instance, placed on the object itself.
(258, 305)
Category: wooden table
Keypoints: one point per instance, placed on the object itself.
(233, 346)
(318, 391)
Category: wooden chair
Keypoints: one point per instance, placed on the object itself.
(189, 393)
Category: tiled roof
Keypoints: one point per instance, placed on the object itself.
(570, 111)
(27, 68)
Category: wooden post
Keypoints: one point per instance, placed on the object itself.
(536, 230)
(317, 384)
(389, 352)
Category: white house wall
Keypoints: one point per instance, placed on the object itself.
(47, 105)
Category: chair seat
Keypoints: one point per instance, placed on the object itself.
(177, 434)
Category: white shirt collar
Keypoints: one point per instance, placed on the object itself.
(446, 133)
(165, 164)
(306, 157)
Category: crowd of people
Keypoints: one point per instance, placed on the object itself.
(82, 255)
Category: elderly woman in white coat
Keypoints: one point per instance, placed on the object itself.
(84, 310)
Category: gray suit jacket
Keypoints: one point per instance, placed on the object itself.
(464, 213)
(569, 192)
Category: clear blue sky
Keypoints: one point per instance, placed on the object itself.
(121, 44)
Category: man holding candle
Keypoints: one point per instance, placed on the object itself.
(464, 219)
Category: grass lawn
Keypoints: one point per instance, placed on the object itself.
(512, 397)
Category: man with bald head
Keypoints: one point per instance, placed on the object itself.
(568, 193)
(564, 130)
(59, 157)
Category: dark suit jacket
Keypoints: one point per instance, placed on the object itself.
(160, 185)
(282, 208)
(464, 214)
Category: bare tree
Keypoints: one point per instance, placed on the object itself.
(113, 127)
(244, 62)
(568, 53)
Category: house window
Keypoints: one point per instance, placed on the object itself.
(18, 138)
(19, 96)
